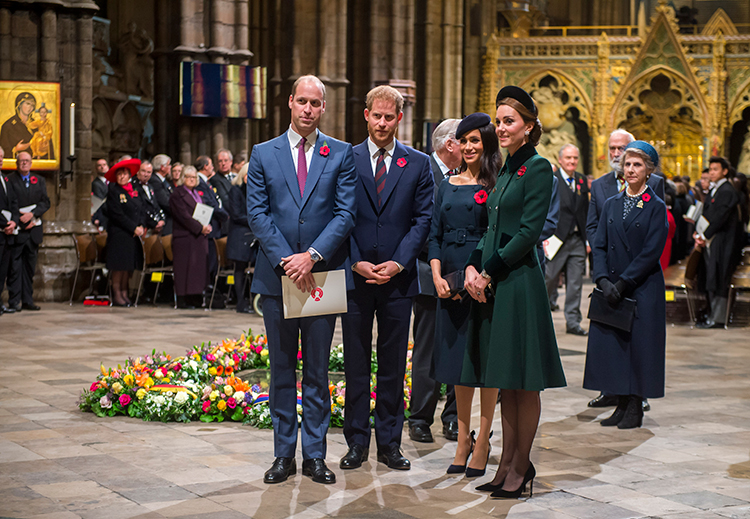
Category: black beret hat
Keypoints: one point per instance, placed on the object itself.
(519, 94)
(472, 122)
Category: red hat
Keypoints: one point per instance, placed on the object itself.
(130, 164)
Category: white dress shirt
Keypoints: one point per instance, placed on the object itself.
(443, 168)
(294, 143)
(375, 153)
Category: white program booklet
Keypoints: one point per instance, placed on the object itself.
(694, 212)
(203, 213)
(701, 225)
(329, 297)
(28, 209)
(551, 245)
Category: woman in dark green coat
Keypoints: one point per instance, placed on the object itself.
(511, 339)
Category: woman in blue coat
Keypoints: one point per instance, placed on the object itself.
(629, 241)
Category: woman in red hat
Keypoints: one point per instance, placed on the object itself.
(127, 222)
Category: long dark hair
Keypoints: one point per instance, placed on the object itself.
(491, 161)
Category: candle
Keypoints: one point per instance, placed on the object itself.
(72, 129)
(678, 168)
(690, 165)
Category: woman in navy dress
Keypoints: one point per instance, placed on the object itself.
(458, 222)
(629, 241)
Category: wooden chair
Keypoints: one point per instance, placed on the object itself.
(88, 257)
(740, 283)
(226, 267)
(153, 261)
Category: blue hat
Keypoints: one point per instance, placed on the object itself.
(646, 148)
(520, 95)
(472, 122)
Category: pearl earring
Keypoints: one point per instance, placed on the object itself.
(527, 132)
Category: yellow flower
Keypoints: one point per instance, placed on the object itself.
(129, 380)
(340, 400)
(165, 380)
(117, 388)
(264, 353)
(372, 404)
(228, 390)
(213, 395)
(212, 371)
(221, 405)
(140, 393)
(149, 382)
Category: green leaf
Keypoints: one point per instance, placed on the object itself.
(206, 418)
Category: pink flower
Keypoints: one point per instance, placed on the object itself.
(206, 406)
(235, 357)
(231, 402)
(299, 354)
(324, 150)
(401, 162)
(94, 386)
(177, 367)
(646, 197)
(521, 171)
(124, 400)
(211, 357)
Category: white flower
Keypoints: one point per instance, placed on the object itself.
(239, 396)
(105, 402)
(160, 400)
(181, 397)
(193, 364)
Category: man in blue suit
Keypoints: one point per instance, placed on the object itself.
(394, 206)
(301, 208)
(603, 188)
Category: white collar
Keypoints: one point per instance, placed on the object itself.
(204, 177)
(295, 137)
(443, 168)
(374, 149)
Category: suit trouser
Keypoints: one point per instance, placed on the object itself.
(572, 257)
(282, 335)
(425, 391)
(393, 316)
(5, 259)
(21, 274)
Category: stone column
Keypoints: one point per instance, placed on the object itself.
(331, 66)
(49, 55)
(85, 30)
(5, 43)
(163, 73)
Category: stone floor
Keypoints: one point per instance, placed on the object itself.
(691, 459)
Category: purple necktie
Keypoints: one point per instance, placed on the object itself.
(380, 174)
(301, 167)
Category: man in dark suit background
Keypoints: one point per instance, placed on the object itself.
(221, 183)
(300, 207)
(162, 188)
(8, 223)
(141, 184)
(425, 391)
(31, 191)
(602, 188)
(394, 206)
(573, 193)
(204, 166)
(99, 185)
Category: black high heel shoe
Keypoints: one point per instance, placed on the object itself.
(475, 473)
(489, 487)
(460, 469)
(515, 494)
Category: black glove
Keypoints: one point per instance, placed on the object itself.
(611, 294)
(621, 287)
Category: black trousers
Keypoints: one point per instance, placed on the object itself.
(239, 284)
(5, 259)
(21, 274)
(425, 392)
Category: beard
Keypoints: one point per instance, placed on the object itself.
(615, 164)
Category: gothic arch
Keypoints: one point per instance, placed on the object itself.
(739, 104)
(577, 98)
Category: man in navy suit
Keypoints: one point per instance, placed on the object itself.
(394, 206)
(301, 208)
(8, 222)
(603, 188)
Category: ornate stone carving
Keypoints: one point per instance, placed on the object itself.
(137, 65)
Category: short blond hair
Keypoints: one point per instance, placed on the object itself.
(385, 93)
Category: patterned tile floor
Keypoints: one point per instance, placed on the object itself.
(691, 459)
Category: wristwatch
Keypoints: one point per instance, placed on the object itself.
(314, 255)
(485, 275)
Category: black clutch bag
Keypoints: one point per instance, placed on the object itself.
(620, 316)
(455, 281)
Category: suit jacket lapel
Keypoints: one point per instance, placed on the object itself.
(317, 164)
(394, 172)
(365, 174)
(610, 186)
(286, 165)
(619, 203)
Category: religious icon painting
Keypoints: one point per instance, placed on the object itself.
(30, 121)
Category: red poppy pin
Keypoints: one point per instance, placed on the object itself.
(33, 180)
(580, 181)
(646, 197)
(480, 196)
(521, 171)
(713, 200)
(324, 150)
(135, 194)
(200, 193)
(401, 162)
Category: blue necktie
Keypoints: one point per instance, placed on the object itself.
(26, 180)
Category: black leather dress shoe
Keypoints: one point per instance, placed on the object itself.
(705, 325)
(421, 433)
(316, 469)
(280, 471)
(355, 457)
(392, 457)
(604, 401)
(577, 330)
(646, 405)
(13, 308)
(450, 431)
(246, 310)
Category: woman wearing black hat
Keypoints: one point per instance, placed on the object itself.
(511, 339)
(628, 244)
(459, 220)
(126, 222)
